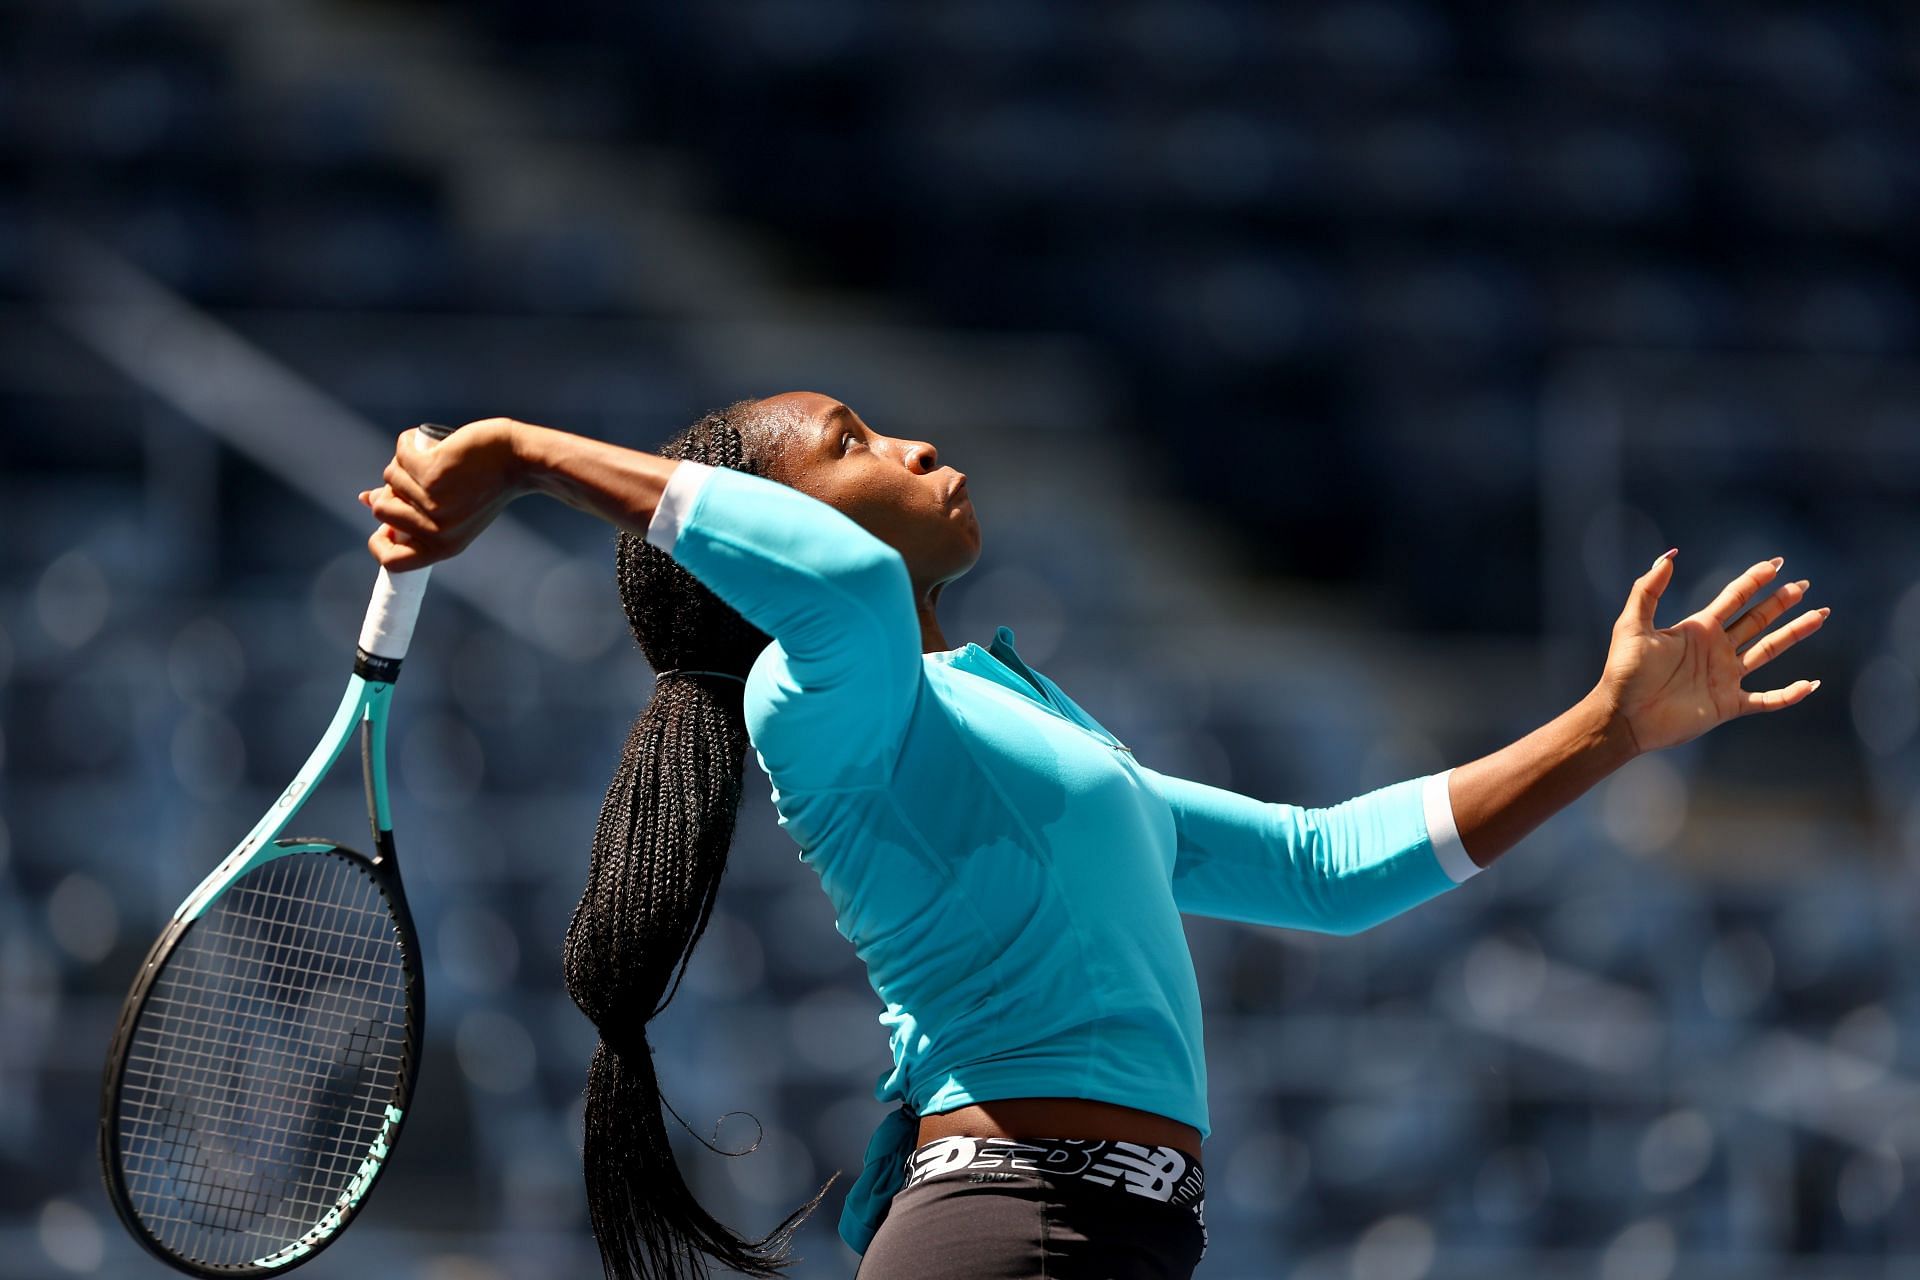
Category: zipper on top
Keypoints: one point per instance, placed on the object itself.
(1004, 636)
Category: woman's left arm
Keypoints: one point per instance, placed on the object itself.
(1661, 687)
(1499, 799)
(1350, 866)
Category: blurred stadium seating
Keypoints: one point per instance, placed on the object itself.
(1324, 373)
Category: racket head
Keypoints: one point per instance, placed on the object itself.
(264, 1063)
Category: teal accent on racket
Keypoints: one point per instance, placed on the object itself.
(266, 1056)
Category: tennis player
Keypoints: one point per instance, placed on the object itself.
(1011, 875)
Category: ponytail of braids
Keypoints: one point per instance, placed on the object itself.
(658, 855)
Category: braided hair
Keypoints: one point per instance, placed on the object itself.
(658, 855)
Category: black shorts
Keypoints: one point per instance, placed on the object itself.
(1058, 1208)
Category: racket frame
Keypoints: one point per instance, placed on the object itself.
(362, 709)
(385, 634)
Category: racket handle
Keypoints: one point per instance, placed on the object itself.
(395, 607)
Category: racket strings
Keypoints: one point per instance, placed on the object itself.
(263, 1062)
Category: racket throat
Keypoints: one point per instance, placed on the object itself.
(375, 669)
(373, 767)
(259, 846)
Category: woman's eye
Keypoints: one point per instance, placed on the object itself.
(845, 437)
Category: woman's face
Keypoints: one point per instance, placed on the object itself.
(893, 488)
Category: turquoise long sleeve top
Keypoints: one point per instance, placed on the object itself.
(1011, 876)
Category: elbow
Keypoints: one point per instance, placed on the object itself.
(1343, 913)
(882, 568)
(874, 613)
(880, 575)
(1347, 926)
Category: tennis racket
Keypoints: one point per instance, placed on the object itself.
(265, 1058)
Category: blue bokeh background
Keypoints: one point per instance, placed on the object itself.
(1324, 374)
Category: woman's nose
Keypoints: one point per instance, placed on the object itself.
(922, 457)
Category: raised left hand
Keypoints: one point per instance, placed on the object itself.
(1669, 685)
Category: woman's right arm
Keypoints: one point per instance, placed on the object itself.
(829, 704)
(439, 496)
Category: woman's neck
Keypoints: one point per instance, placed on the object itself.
(932, 639)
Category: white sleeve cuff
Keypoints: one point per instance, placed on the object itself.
(676, 500)
(1442, 832)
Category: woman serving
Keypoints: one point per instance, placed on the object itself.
(1012, 877)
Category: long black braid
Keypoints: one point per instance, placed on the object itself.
(658, 856)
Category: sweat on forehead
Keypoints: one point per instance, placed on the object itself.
(773, 424)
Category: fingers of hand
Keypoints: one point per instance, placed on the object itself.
(394, 555)
(1734, 596)
(1644, 601)
(1757, 619)
(1779, 699)
(404, 483)
(1769, 647)
(403, 516)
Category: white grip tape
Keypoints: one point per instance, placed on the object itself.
(395, 607)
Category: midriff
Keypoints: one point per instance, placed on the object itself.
(1059, 1118)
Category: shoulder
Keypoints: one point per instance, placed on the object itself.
(858, 709)
(773, 666)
